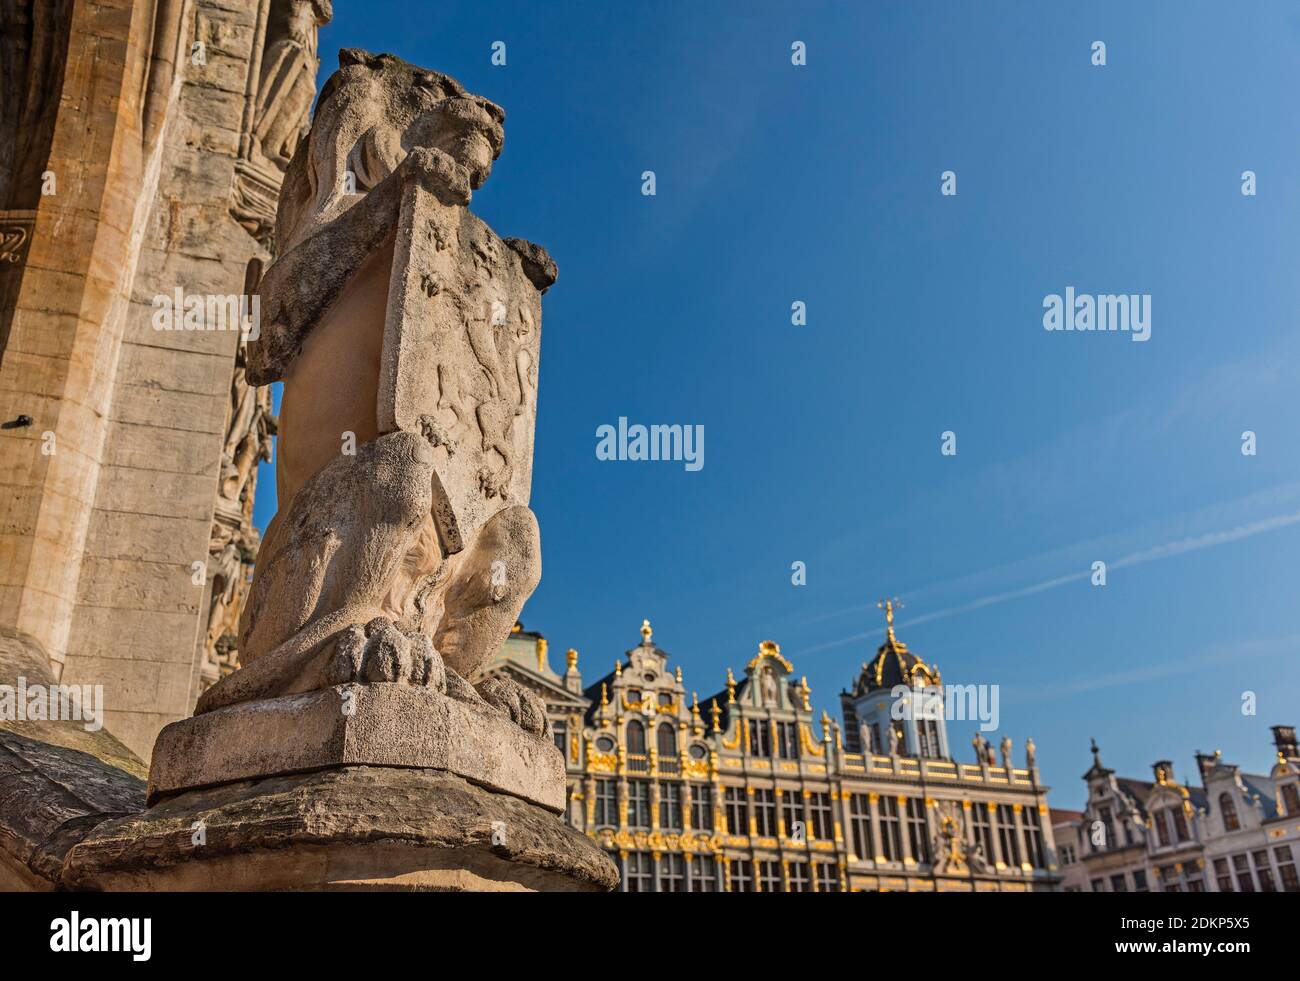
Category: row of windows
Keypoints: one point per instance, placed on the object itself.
(803, 817)
(799, 878)
(927, 734)
(1237, 878)
(1231, 875)
(812, 817)
(674, 873)
(639, 801)
(699, 873)
(910, 821)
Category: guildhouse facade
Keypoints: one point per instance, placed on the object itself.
(1236, 832)
(750, 789)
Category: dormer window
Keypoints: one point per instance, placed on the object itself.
(1162, 828)
(1180, 824)
(1291, 799)
(1229, 811)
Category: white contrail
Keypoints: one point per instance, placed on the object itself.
(1167, 550)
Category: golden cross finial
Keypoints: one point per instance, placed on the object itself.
(889, 606)
(646, 632)
(572, 658)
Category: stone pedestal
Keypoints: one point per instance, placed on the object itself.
(358, 725)
(359, 786)
(352, 828)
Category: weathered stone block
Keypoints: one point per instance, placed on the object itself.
(358, 724)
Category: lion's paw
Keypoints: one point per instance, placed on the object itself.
(524, 708)
(381, 652)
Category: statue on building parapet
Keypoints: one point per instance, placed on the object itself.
(1006, 753)
(1031, 754)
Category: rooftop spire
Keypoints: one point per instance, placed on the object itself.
(889, 606)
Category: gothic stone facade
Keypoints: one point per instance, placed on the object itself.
(750, 790)
(142, 145)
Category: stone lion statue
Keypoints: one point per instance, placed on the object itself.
(406, 335)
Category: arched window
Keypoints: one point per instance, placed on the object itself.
(636, 738)
(1291, 799)
(667, 740)
(1229, 811)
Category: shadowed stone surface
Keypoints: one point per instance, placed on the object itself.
(358, 724)
(57, 781)
(342, 829)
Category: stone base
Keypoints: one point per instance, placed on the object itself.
(358, 827)
(357, 725)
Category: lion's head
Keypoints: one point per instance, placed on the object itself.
(371, 113)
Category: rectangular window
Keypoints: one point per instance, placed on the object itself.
(1222, 875)
(1162, 827)
(1108, 831)
(672, 873)
(670, 806)
(760, 738)
(704, 874)
(860, 827)
(787, 740)
(702, 806)
(1180, 825)
(1291, 799)
(983, 828)
(638, 872)
(606, 811)
(1034, 838)
(891, 837)
(742, 875)
(1139, 880)
(769, 876)
(798, 880)
(1244, 882)
(1263, 871)
(1195, 885)
(559, 731)
(1098, 885)
(737, 811)
(928, 730)
(792, 813)
(819, 812)
(828, 877)
(917, 839)
(765, 813)
(1007, 836)
(638, 804)
(1286, 868)
(1118, 883)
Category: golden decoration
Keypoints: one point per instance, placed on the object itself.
(770, 649)
(808, 743)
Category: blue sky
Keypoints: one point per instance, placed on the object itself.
(821, 183)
